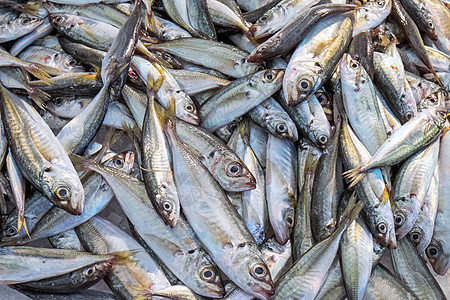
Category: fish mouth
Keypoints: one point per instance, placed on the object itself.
(192, 119)
(255, 57)
(261, 292)
(73, 207)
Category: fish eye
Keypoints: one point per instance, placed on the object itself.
(322, 140)
(321, 98)
(189, 108)
(415, 237)
(281, 128)
(290, 221)
(89, 271)
(380, 3)
(409, 115)
(62, 192)
(432, 251)
(233, 126)
(48, 169)
(167, 206)
(262, 49)
(26, 20)
(269, 76)
(118, 163)
(263, 18)
(207, 274)
(354, 64)
(430, 24)
(10, 231)
(58, 101)
(381, 227)
(59, 19)
(258, 270)
(304, 85)
(399, 219)
(432, 100)
(72, 63)
(259, 68)
(234, 170)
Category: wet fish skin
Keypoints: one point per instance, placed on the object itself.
(18, 27)
(279, 16)
(100, 236)
(289, 36)
(438, 252)
(308, 158)
(270, 116)
(158, 175)
(72, 282)
(33, 263)
(230, 244)
(41, 158)
(413, 272)
(313, 266)
(225, 58)
(326, 192)
(281, 191)
(184, 250)
(245, 93)
(404, 142)
(422, 231)
(309, 66)
(410, 187)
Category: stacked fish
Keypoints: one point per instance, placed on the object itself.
(257, 149)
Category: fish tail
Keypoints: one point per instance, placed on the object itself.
(39, 73)
(29, 8)
(22, 222)
(123, 257)
(81, 163)
(39, 97)
(385, 196)
(354, 175)
(352, 210)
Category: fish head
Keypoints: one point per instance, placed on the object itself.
(431, 100)
(405, 214)
(273, 18)
(325, 102)
(63, 187)
(321, 136)
(439, 116)
(251, 272)
(95, 272)
(271, 79)
(233, 175)
(266, 50)
(283, 227)
(185, 107)
(68, 64)
(26, 21)
(283, 126)
(439, 256)
(122, 161)
(207, 278)
(421, 236)
(353, 74)
(381, 224)
(63, 21)
(370, 14)
(300, 81)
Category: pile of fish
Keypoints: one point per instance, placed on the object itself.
(257, 149)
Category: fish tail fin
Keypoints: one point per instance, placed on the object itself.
(81, 163)
(354, 176)
(38, 96)
(39, 73)
(352, 210)
(22, 222)
(155, 84)
(385, 196)
(123, 257)
(29, 8)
